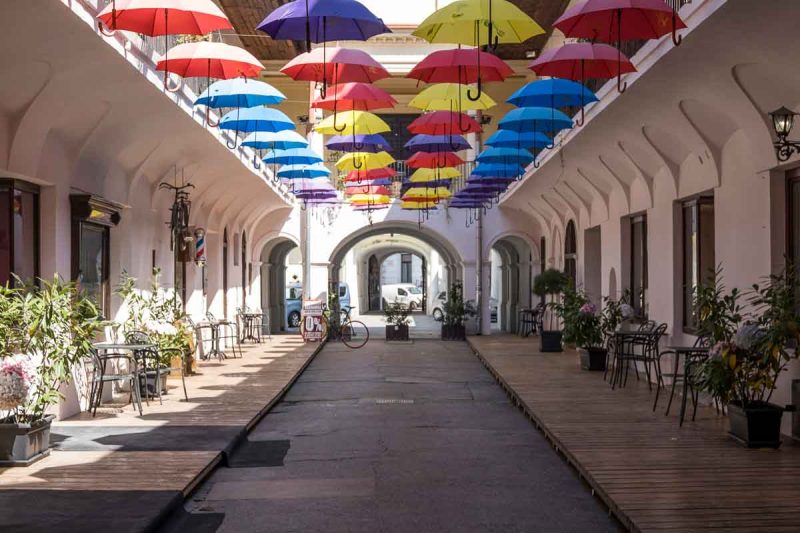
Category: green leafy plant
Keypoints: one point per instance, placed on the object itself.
(611, 316)
(574, 321)
(396, 314)
(454, 308)
(718, 311)
(549, 285)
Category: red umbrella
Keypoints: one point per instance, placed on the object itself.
(618, 20)
(367, 189)
(163, 17)
(335, 65)
(357, 96)
(434, 160)
(210, 60)
(460, 66)
(373, 174)
(583, 61)
(444, 123)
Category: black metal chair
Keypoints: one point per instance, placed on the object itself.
(526, 323)
(678, 376)
(640, 348)
(152, 360)
(100, 376)
(231, 332)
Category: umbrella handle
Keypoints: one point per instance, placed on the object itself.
(209, 122)
(171, 89)
(337, 129)
(620, 88)
(676, 39)
(229, 141)
(580, 122)
(535, 163)
(114, 21)
(476, 97)
(461, 123)
(100, 28)
(256, 164)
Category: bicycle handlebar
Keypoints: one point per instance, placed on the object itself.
(164, 185)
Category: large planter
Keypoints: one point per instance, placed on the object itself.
(24, 444)
(757, 426)
(593, 359)
(397, 333)
(454, 333)
(148, 383)
(550, 341)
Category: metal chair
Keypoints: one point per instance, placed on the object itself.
(677, 375)
(232, 334)
(100, 377)
(526, 323)
(152, 361)
(643, 348)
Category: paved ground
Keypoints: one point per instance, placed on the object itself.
(394, 438)
(420, 326)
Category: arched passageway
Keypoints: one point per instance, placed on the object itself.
(281, 290)
(511, 281)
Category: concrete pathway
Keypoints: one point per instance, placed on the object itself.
(394, 438)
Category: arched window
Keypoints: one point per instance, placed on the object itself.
(225, 273)
(571, 253)
(244, 269)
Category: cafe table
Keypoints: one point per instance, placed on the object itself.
(136, 350)
(692, 355)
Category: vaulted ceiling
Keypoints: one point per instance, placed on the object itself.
(246, 14)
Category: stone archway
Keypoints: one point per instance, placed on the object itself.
(512, 280)
(273, 281)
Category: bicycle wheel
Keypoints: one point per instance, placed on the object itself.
(355, 334)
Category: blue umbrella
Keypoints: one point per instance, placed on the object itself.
(497, 170)
(505, 155)
(240, 92)
(533, 119)
(516, 139)
(293, 156)
(437, 143)
(322, 21)
(316, 170)
(270, 140)
(372, 143)
(553, 92)
(256, 119)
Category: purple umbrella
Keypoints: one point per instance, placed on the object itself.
(359, 143)
(320, 21)
(437, 143)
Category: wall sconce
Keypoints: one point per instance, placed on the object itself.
(302, 119)
(486, 120)
(782, 122)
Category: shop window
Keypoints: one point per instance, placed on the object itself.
(571, 253)
(638, 250)
(405, 268)
(19, 231)
(698, 252)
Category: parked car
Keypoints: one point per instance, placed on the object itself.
(441, 299)
(406, 294)
(294, 301)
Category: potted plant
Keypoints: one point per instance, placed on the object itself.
(549, 285)
(454, 314)
(748, 353)
(587, 332)
(44, 333)
(396, 315)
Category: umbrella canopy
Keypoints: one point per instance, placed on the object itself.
(437, 143)
(414, 205)
(164, 17)
(615, 20)
(252, 119)
(581, 62)
(280, 140)
(371, 199)
(433, 174)
(498, 170)
(358, 143)
(311, 185)
(424, 160)
(450, 96)
(317, 21)
(369, 183)
(367, 189)
(370, 207)
(517, 139)
(535, 119)
(506, 155)
(210, 60)
(293, 156)
(335, 65)
(460, 66)
(352, 123)
(477, 23)
(355, 95)
(553, 92)
(316, 170)
(364, 161)
(240, 92)
(429, 193)
(481, 188)
(373, 174)
(444, 123)
(504, 182)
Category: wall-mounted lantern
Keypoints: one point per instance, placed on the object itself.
(782, 123)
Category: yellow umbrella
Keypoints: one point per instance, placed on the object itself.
(427, 193)
(364, 161)
(352, 123)
(415, 204)
(371, 199)
(431, 174)
(450, 97)
(478, 23)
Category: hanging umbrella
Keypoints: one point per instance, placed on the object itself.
(518, 139)
(370, 183)
(418, 204)
(463, 22)
(450, 96)
(542, 119)
(433, 174)
(504, 182)
(355, 95)
(505, 155)
(316, 170)
(352, 123)
(208, 60)
(319, 21)
(367, 189)
(498, 170)
(163, 17)
(293, 156)
(364, 160)
(460, 65)
(373, 174)
(427, 193)
(434, 160)
(333, 66)
(238, 92)
(583, 61)
(437, 143)
(271, 140)
(553, 92)
(371, 199)
(361, 143)
(444, 123)
(254, 119)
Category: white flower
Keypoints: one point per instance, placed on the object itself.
(626, 310)
(162, 328)
(15, 382)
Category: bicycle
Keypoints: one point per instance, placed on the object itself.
(179, 216)
(353, 333)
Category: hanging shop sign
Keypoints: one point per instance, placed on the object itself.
(313, 327)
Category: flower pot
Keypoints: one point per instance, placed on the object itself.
(24, 444)
(593, 359)
(757, 426)
(550, 341)
(148, 383)
(454, 333)
(397, 333)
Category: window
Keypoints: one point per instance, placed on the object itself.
(638, 250)
(793, 216)
(342, 291)
(698, 252)
(244, 268)
(19, 231)
(401, 292)
(405, 268)
(225, 273)
(571, 253)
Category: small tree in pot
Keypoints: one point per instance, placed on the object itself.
(454, 314)
(549, 285)
(396, 315)
(587, 333)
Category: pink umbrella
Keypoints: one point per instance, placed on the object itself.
(355, 96)
(335, 65)
(210, 60)
(163, 17)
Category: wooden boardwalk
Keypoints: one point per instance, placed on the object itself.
(174, 445)
(651, 474)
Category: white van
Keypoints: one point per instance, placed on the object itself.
(406, 294)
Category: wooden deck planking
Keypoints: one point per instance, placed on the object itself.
(651, 473)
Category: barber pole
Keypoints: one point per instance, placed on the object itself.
(200, 247)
